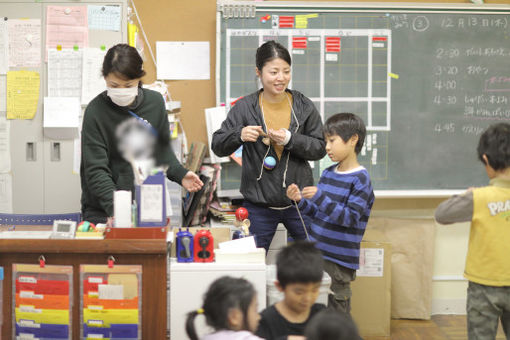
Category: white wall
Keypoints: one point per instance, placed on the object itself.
(449, 286)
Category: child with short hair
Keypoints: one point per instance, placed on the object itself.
(299, 271)
(488, 258)
(329, 324)
(231, 308)
(339, 205)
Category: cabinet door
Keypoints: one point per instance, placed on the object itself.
(62, 189)
(196, 278)
(26, 138)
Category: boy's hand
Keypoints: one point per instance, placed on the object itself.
(251, 133)
(296, 337)
(293, 193)
(309, 192)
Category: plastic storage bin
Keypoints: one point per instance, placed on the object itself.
(274, 295)
(110, 302)
(42, 301)
(174, 191)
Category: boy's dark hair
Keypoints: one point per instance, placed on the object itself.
(299, 262)
(495, 144)
(223, 294)
(330, 324)
(271, 50)
(123, 60)
(346, 125)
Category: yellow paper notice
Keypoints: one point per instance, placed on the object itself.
(302, 19)
(22, 94)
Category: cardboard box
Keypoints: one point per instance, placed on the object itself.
(219, 235)
(412, 263)
(371, 290)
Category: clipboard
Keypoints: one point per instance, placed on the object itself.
(192, 201)
(155, 221)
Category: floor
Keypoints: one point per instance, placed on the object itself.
(440, 327)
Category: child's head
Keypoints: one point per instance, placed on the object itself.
(229, 303)
(330, 324)
(299, 270)
(494, 148)
(347, 126)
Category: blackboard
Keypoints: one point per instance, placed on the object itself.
(426, 80)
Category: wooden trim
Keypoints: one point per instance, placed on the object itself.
(83, 246)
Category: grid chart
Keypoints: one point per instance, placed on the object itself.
(340, 70)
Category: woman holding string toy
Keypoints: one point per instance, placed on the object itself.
(280, 131)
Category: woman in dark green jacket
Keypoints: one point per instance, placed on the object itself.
(104, 168)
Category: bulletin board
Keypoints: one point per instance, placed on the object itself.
(42, 169)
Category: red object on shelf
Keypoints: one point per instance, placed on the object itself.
(203, 246)
(241, 214)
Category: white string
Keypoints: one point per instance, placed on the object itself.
(143, 32)
(262, 165)
(302, 222)
(280, 208)
(150, 48)
(285, 173)
(269, 145)
(288, 155)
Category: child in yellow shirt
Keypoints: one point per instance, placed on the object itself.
(488, 259)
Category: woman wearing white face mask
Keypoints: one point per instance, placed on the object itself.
(104, 168)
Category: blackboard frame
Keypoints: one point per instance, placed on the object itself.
(239, 9)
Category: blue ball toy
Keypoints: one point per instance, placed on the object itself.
(269, 163)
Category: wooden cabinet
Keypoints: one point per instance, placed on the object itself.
(150, 254)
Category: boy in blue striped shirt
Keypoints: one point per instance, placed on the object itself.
(339, 205)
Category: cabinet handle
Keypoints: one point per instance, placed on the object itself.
(55, 152)
(31, 154)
